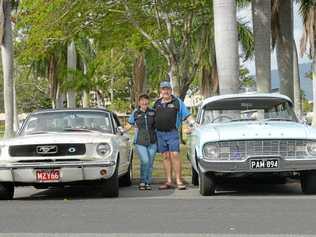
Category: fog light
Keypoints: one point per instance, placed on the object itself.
(103, 172)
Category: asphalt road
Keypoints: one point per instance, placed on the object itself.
(263, 210)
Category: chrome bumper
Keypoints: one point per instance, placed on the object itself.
(70, 171)
(244, 166)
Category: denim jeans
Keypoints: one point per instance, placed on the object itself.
(146, 155)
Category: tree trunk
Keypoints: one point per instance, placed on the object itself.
(206, 82)
(209, 81)
(296, 83)
(85, 99)
(85, 96)
(72, 65)
(52, 78)
(15, 112)
(314, 90)
(139, 76)
(7, 63)
(174, 76)
(99, 99)
(226, 45)
(284, 49)
(59, 98)
(261, 15)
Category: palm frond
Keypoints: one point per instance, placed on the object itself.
(246, 39)
(308, 12)
(275, 22)
(243, 3)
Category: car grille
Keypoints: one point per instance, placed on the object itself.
(47, 150)
(240, 150)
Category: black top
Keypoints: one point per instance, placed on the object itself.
(166, 114)
(145, 122)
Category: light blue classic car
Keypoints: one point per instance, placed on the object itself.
(251, 135)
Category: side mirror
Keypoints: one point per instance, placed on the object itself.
(120, 130)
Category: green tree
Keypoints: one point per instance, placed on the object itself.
(308, 12)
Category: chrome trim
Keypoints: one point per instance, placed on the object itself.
(241, 150)
(39, 165)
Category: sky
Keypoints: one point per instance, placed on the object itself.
(245, 14)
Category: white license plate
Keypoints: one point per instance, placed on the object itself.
(48, 175)
(264, 164)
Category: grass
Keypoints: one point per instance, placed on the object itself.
(158, 170)
(1, 129)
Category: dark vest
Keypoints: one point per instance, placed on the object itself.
(166, 114)
(145, 123)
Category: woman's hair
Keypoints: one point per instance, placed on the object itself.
(143, 96)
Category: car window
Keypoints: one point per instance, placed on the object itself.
(63, 121)
(248, 109)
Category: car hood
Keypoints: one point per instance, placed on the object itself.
(54, 138)
(257, 130)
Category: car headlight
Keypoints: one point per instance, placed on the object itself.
(211, 151)
(104, 149)
(311, 148)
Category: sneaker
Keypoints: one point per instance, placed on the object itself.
(142, 186)
(148, 187)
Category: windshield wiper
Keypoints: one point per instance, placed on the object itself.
(39, 132)
(77, 130)
(278, 119)
(244, 119)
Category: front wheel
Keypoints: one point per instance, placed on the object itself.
(110, 187)
(206, 184)
(6, 191)
(308, 182)
(195, 177)
(126, 179)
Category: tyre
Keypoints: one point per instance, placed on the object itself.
(6, 191)
(206, 184)
(126, 179)
(110, 187)
(308, 182)
(195, 177)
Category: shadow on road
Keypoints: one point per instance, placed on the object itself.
(259, 189)
(89, 192)
(84, 192)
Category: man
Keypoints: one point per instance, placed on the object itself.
(170, 112)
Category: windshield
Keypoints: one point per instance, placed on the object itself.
(240, 109)
(67, 121)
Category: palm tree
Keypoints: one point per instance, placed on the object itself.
(7, 62)
(139, 75)
(308, 12)
(261, 14)
(226, 45)
(282, 39)
(71, 65)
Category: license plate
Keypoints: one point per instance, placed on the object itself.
(264, 164)
(47, 175)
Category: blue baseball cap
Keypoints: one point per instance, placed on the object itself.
(165, 84)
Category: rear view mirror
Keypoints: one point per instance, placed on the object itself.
(120, 130)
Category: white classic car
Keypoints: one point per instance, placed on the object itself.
(251, 135)
(67, 147)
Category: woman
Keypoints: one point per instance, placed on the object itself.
(143, 119)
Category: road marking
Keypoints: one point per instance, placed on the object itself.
(143, 235)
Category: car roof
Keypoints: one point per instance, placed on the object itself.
(71, 109)
(245, 95)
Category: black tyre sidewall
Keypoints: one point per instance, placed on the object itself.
(110, 187)
(6, 191)
(206, 184)
(195, 177)
(308, 182)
